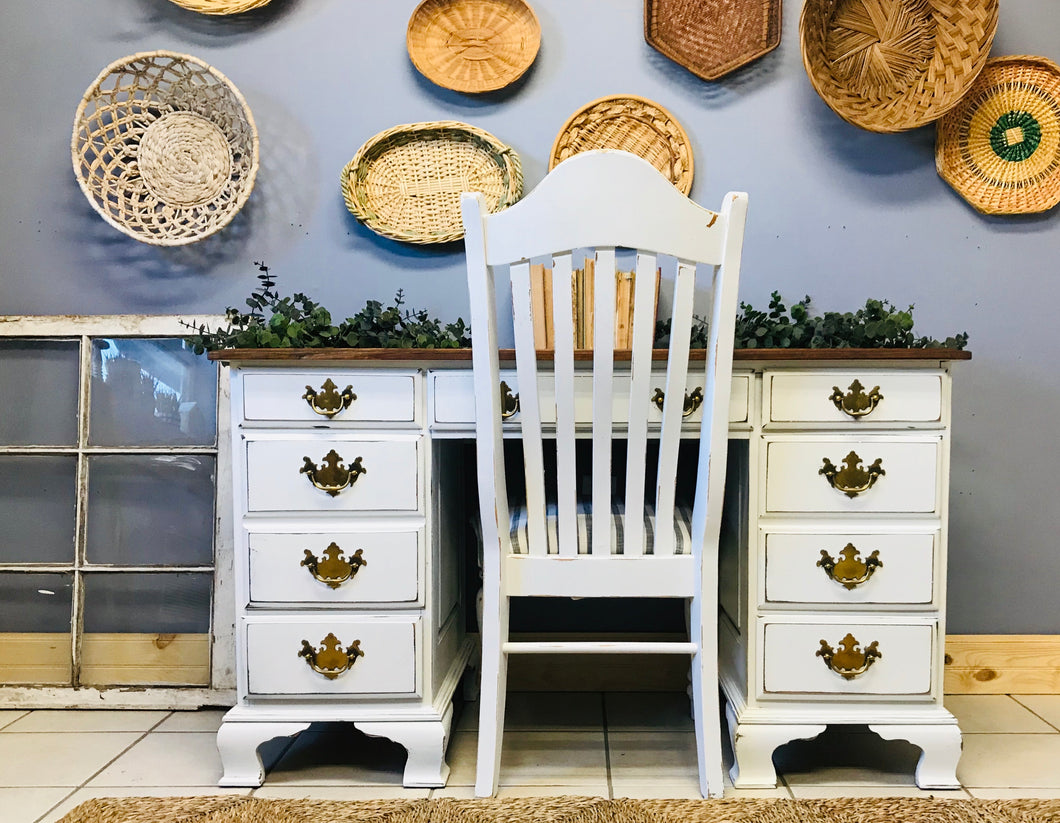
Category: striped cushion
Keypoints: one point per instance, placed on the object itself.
(682, 529)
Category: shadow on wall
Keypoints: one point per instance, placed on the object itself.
(210, 29)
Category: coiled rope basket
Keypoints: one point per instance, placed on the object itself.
(164, 148)
(220, 7)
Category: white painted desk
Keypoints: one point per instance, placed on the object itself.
(833, 558)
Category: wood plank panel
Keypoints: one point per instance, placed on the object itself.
(1002, 664)
(145, 659)
(35, 657)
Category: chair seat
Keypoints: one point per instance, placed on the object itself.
(520, 538)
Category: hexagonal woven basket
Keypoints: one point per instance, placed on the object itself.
(1000, 147)
(893, 65)
(164, 148)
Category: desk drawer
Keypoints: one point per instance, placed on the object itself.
(846, 397)
(454, 397)
(276, 663)
(348, 568)
(380, 396)
(894, 568)
(279, 476)
(797, 475)
(794, 659)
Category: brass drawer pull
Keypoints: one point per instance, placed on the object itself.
(855, 402)
(330, 660)
(334, 569)
(851, 571)
(329, 402)
(332, 477)
(850, 660)
(852, 479)
(692, 401)
(509, 401)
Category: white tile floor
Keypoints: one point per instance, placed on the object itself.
(612, 745)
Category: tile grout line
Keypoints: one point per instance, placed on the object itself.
(607, 746)
(1032, 711)
(102, 768)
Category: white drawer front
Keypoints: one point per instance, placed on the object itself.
(454, 398)
(386, 570)
(794, 482)
(805, 397)
(383, 397)
(792, 665)
(389, 483)
(796, 570)
(387, 667)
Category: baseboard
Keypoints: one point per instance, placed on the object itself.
(1002, 664)
(975, 664)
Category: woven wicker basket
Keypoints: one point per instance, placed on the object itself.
(220, 7)
(893, 65)
(631, 124)
(1000, 147)
(405, 182)
(711, 38)
(473, 45)
(164, 147)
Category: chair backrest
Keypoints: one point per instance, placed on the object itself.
(601, 201)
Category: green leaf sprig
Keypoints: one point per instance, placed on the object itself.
(878, 325)
(298, 322)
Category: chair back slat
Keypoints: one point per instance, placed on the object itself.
(529, 405)
(603, 397)
(639, 399)
(673, 406)
(566, 463)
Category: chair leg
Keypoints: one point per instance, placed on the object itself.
(492, 692)
(706, 707)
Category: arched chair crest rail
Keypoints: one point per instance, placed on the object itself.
(636, 534)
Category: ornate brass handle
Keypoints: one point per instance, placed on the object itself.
(855, 402)
(851, 660)
(852, 479)
(509, 401)
(330, 659)
(334, 569)
(851, 571)
(332, 477)
(692, 401)
(328, 401)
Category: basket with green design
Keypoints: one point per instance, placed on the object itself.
(1000, 148)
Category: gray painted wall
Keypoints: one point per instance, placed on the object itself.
(836, 212)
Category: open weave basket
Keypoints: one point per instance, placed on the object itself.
(1000, 147)
(473, 45)
(164, 148)
(632, 124)
(893, 65)
(220, 7)
(711, 38)
(405, 183)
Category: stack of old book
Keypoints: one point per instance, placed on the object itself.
(583, 306)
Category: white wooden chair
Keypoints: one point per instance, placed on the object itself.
(601, 200)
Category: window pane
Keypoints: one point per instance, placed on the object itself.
(37, 508)
(35, 628)
(38, 381)
(151, 393)
(151, 510)
(148, 629)
(156, 603)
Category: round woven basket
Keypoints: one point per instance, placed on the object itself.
(405, 183)
(1000, 147)
(893, 65)
(473, 45)
(220, 7)
(632, 124)
(164, 148)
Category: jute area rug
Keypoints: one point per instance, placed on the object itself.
(562, 810)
